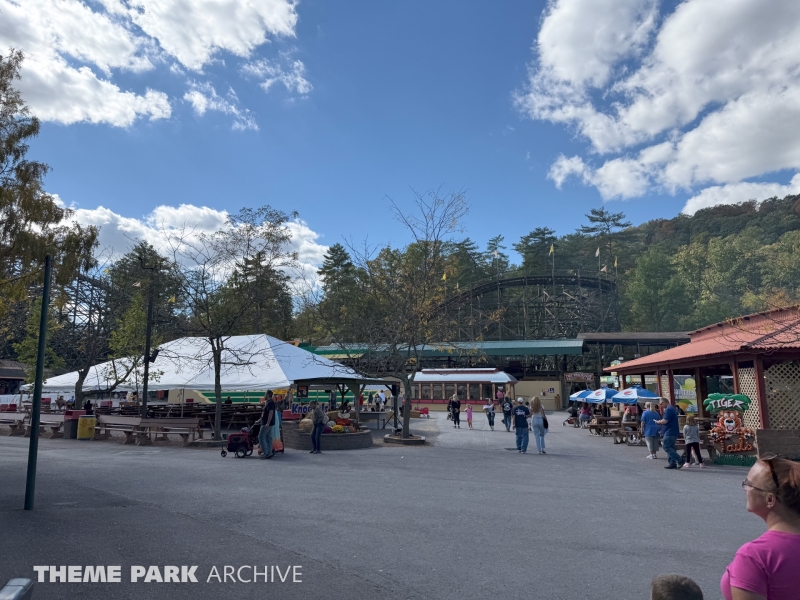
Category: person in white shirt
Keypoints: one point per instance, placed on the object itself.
(488, 408)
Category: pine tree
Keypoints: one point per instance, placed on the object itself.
(31, 221)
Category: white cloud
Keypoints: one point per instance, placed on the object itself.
(707, 95)
(203, 97)
(289, 72)
(565, 167)
(118, 233)
(74, 48)
(740, 192)
(193, 31)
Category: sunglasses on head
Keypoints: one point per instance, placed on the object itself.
(768, 458)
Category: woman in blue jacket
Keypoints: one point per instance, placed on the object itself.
(650, 429)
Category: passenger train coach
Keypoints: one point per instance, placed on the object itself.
(434, 387)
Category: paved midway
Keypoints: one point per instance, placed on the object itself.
(462, 518)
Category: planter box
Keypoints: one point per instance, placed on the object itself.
(298, 440)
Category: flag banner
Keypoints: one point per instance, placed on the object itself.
(598, 252)
(552, 248)
(444, 277)
(603, 270)
(615, 262)
(137, 284)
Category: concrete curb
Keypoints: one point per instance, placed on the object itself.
(416, 440)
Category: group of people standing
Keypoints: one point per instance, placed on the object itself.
(522, 417)
(665, 426)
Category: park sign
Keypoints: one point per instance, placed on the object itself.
(718, 402)
(302, 409)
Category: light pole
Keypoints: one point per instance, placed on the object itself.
(36, 404)
(148, 335)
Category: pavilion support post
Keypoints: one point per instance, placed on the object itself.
(735, 373)
(658, 382)
(357, 390)
(642, 381)
(671, 384)
(699, 391)
(597, 379)
(761, 393)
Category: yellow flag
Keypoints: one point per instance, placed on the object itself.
(444, 277)
(172, 300)
(552, 248)
(615, 262)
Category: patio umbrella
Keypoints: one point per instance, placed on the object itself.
(579, 395)
(633, 395)
(600, 396)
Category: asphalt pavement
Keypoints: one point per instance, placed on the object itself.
(464, 517)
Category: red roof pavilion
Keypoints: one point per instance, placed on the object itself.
(762, 353)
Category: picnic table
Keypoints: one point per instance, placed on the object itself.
(374, 416)
(602, 425)
(16, 420)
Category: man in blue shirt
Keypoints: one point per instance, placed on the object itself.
(521, 413)
(671, 430)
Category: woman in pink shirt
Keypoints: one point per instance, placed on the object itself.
(767, 568)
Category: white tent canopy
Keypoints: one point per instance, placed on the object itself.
(250, 362)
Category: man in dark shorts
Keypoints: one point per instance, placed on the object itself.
(521, 413)
(508, 409)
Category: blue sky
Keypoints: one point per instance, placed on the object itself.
(462, 95)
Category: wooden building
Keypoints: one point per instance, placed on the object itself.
(761, 352)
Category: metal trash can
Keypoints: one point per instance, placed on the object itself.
(71, 423)
(86, 425)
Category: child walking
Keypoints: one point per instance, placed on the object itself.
(691, 434)
(469, 415)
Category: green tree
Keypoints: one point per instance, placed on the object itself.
(28, 349)
(400, 293)
(495, 256)
(32, 223)
(656, 297)
(217, 299)
(603, 222)
(535, 248)
(127, 346)
(267, 290)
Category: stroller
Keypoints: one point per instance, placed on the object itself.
(242, 443)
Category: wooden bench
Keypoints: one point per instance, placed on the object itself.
(630, 436)
(705, 444)
(184, 427)
(55, 423)
(599, 428)
(15, 420)
(108, 423)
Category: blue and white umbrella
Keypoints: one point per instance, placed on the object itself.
(633, 395)
(579, 395)
(601, 395)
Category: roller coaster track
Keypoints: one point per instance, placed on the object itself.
(605, 286)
